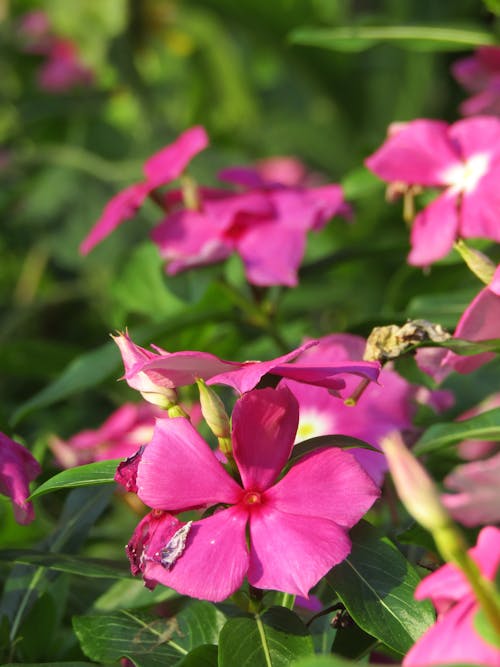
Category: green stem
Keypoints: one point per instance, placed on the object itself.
(287, 600)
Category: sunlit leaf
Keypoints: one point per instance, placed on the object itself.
(91, 474)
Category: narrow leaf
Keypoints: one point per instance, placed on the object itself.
(91, 474)
(485, 426)
(85, 567)
(376, 584)
(340, 441)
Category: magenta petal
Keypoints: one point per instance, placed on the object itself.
(178, 470)
(159, 525)
(479, 210)
(416, 154)
(214, 561)
(170, 162)
(264, 427)
(126, 473)
(480, 135)
(325, 376)
(434, 230)
(291, 552)
(247, 375)
(121, 207)
(17, 468)
(329, 201)
(329, 483)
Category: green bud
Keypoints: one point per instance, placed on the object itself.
(214, 412)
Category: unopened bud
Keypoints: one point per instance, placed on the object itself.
(479, 263)
(416, 489)
(213, 411)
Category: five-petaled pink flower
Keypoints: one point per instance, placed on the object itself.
(296, 526)
(453, 638)
(480, 75)
(162, 168)
(479, 322)
(464, 159)
(18, 468)
(154, 373)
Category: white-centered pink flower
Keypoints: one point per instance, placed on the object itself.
(296, 526)
(453, 639)
(479, 74)
(463, 160)
(18, 468)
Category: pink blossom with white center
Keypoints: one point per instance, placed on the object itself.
(118, 437)
(161, 371)
(307, 513)
(18, 468)
(160, 169)
(453, 639)
(480, 74)
(385, 406)
(464, 160)
(479, 322)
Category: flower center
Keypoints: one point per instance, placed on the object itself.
(252, 498)
(465, 177)
(313, 423)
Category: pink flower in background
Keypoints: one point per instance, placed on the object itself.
(476, 449)
(18, 468)
(63, 69)
(162, 168)
(35, 31)
(463, 160)
(477, 492)
(306, 514)
(120, 436)
(480, 74)
(480, 321)
(384, 407)
(166, 370)
(453, 638)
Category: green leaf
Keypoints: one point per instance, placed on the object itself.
(484, 627)
(325, 661)
(376, 584)
(85, 567)
(340, 441)
(485, 426)
(49, 664)
(361, 182)
(206, 655)
(465, 347)
(417, 37)
(272, 639)
(91, 474)
(131, 594)
(147, 640)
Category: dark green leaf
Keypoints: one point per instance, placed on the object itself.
(131, 594)
(147, 640)
(418, 37)
(466, 347)
(340, 441)
(485, 426)
(376, 584)
(50, 664)
(91, 474)
(85, 567)
(273, 639)
(202, 656)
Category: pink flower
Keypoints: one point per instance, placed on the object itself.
(162, 168)
(306, 514)
(476, 449)
(163, 371)
(17, 469)
(35, 31)
(480, 321)
(480, 74)
(266, 226)
(63, 68)
(453, 638)
(120, 436)
(477, 497)
(463, 160)
(384, 407)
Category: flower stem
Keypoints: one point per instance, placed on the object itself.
(287, 600)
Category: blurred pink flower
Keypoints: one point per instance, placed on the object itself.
(464, 160)
(63, 69)
(120, 436)
(453, 639)
(35, 31)
(477, 487)
(307, 513)
(480, 74)
(266, 224)
(480, 321)
(160, 169)
(168, 370)
(384, 407)
(477, 449)
(18, 468)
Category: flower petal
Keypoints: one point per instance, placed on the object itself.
(17, 468)
(178, 470)
(416, 154)
(434, 230)
(170, 162)
(325, 375)
(264, 427)
(290, 552)
(214, 561)
(327, 483)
